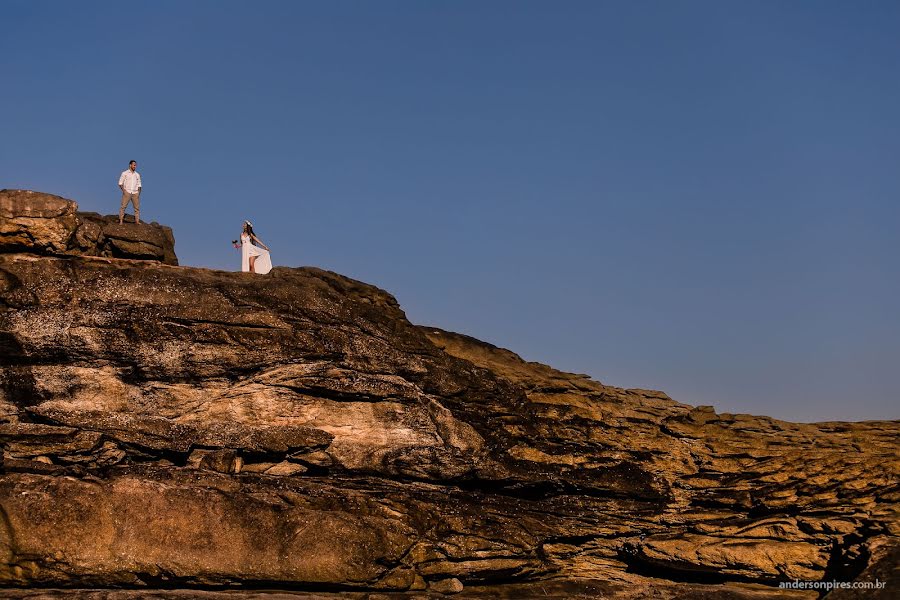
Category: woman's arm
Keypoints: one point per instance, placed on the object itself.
(259, 242)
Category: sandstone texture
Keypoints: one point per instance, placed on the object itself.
(173, 432)
(46, 224)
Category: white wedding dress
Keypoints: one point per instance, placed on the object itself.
(263, 262)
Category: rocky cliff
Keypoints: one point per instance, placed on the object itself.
(170, 431)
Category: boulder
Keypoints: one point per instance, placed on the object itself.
(36, 222)
(41, 223)
(446, 586)
(102, 235)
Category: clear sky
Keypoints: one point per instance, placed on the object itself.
(697, 197)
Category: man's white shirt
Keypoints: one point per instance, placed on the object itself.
(130, 180)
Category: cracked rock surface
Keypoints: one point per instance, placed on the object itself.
(174, 432)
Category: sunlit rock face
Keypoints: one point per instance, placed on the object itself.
(181, 428)
(46, 224)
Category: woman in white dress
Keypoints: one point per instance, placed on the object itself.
(254, 254)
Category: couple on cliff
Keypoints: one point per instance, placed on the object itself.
(254, 254)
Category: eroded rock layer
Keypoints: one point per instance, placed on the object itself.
(172, 427)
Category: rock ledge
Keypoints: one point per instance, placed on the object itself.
(41, 223)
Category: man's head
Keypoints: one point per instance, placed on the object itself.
(132, 165)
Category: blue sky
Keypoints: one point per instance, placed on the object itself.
(698, 197)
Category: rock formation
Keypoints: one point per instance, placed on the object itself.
(47, 224)
(171, 428)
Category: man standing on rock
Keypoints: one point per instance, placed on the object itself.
(130, 184)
